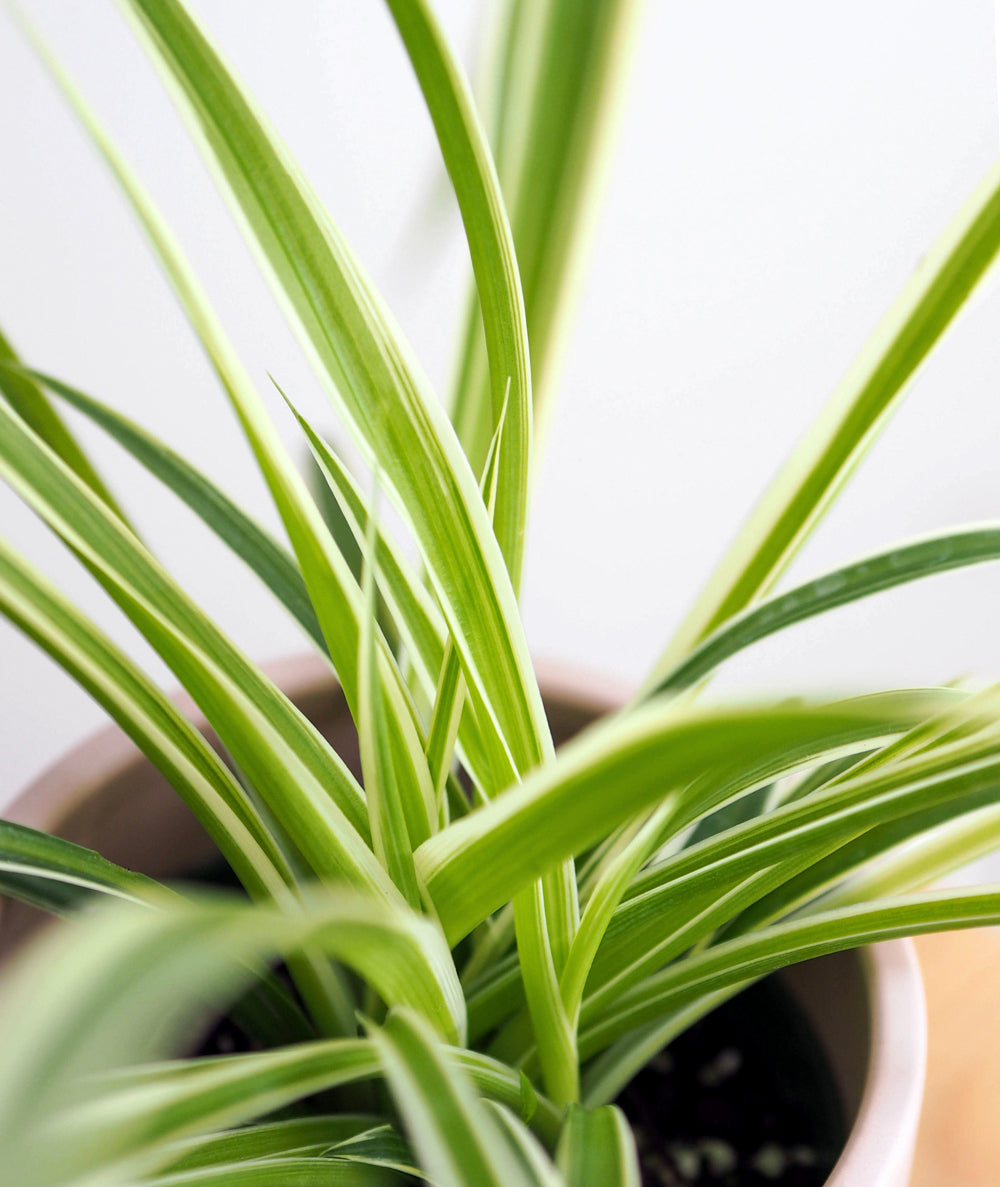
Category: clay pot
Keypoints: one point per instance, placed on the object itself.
(867, 1008)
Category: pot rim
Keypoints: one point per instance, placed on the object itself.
(879, 1151)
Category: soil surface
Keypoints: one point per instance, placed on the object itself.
(742, 1099)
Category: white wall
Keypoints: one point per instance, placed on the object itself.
(780, 169)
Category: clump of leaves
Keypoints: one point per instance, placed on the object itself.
(485, 940)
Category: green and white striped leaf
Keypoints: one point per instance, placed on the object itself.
(827, 455)
(26, 397)
(711, 882)
(379, 1146)
(596, 1149)
(268, 1139)
(526, 1147)
(896, 566)
(455, 1137)
(286, 1172)
(473, 176)
(748, 957)
(59, 876)
(128, 985)
(150, 720)
(332, 588)
(255, 547)
(286, 759)
(412, 607)
(479, 862)
(370, 371)
(419, 620)
(131, 1123)
(551, 106)
(400, 817)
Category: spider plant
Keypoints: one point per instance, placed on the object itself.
(487, 939)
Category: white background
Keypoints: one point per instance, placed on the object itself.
(778, 172)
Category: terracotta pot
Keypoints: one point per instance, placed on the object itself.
(867, 1008)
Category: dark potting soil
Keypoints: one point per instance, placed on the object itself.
(745, 1098)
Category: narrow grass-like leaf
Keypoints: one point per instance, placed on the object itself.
(748, 957)
(915, 850)
(477, 863)
(395, 807)
(609, 888)
(553, 101)
(132, 984)
(309, 1134)
(908, 562)
(26, 397)
(446, 715)
(645, 929)
(58, 876)
(422, 628)
(285, 758)
(285, 1172)
(473, 176)
(149, 719)
(138, 1117)
(145, 1109)
(379, 1146)
(554, 1029)
(332, 589)
(825, 457)
(597, 1149)
(362, 354)
(963, 763)
(255, 547)
(455, 1136)
(526, 1147)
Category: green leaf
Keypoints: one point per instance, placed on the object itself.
(379, 1146)
(419, 620)
(27, 398)
(479, 862)
(826, 455)
(155, 725)
(553, 100)
(895, 566)
(138, 1117)
(473, 176)
(269, 1138)
(258, 550)
(554, 1029)
(610, 885)
(526, 1147)
(332, 589)
(358, 349)
(748, 957)
(286, 759)
(693, 888)
(411, 606)
(446, 715)
(597, 1149)
(127, 985)
(396, 808)
(456, 1138)
(59, 876)
(285, 1172)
